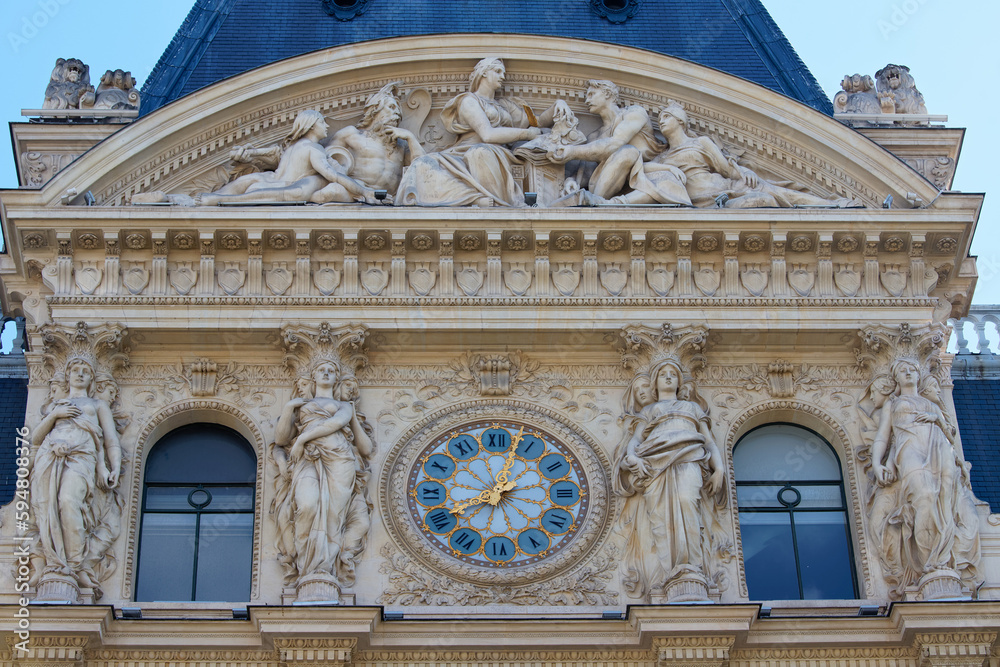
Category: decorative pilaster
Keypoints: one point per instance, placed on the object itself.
(350, 263)
(779, 270)
(638, 252)
(871, 277)
(397, 267)
(918, 270)
(494, 266)
(731, 269)
(543, 280)
(255, 264)
(302, 285)
(206, 271)
(685, 284)
(446, 264)
(112, 267)
(590, 268)
(64, 265)
(824, 266)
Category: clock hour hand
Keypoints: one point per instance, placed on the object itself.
(485, 496)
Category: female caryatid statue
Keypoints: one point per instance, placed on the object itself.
(321, 504)
(670, 471)
(478, 168)
(922, 509)
(73, 480)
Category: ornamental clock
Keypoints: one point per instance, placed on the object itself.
(499, 492)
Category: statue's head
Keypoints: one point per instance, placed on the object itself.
(673, 110)
(905, 371)
(347, 389)
(482, 67)
(667, 377)
(304, 122)
(893, 77)
(607, 88)
(382, 109)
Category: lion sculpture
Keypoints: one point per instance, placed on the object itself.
(69, 87)
(897, 90)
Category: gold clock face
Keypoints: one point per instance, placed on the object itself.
(498, 494)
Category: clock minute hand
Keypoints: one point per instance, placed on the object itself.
(503, 482)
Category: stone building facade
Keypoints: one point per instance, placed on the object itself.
(592, 356)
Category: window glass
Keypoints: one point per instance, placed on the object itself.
(782, 452)
(793, 516)
(201, 454)
(196, 536)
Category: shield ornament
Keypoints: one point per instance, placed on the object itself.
(469, 278)
(183, 277)
(565, 278)
(614, 278)
(326, 278)
(660, 278)
(88, 277)
(278, 278)
(518, 278)
(375, 278)
(422, 278)
(847, 279)
(893, 280)
(754, 279)
(231, 278)
(707, 279)
(801, 279)
(135, 277)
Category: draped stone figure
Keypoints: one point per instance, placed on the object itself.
(321, 505)
(921, 507)
(670, 471)
(478, 168)
(74, 477)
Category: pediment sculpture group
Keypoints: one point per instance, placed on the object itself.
(622, 162)
(668, 468)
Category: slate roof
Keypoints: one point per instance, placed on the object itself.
(13, 403)
(222, 38)
(977, 407)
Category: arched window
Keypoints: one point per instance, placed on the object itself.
(196, 537)
(793, 516)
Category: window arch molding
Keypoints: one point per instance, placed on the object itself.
(163, 422)
(830, 429)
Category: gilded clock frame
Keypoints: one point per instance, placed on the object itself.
(400, 460)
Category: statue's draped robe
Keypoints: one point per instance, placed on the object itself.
(467, 171)
(70, 451)
(927, 518)
(668, 517)
(321, 506)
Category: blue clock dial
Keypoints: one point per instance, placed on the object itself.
(498, 494)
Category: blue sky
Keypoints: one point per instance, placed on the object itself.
(943, 43)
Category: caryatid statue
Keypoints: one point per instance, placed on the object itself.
(670, 471)
(76, 506)
(322, 449)
(922, 512)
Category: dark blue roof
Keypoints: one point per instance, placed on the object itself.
(13, 403)
(977, 406)
(222, 38)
